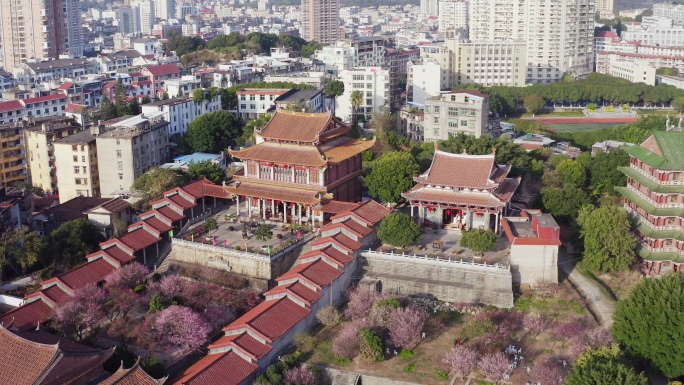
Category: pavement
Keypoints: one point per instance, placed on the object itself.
(18, 283)
(601, 306)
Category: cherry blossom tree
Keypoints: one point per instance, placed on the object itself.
(130, 275)
(346, 343)
(181, 327)
(547, 372)
(536, 323)
(493, 366)
(82, 313)
(360, 302)
(598, 337)
(171, 286)
(301, 375)
(218, 314)
(567, 330)
(121, 302)
(406, 325)
(462, 360)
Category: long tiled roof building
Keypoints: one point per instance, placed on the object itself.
(319, 278)
(654, 197)
(463, 191)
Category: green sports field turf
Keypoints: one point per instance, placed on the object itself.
(582, 127)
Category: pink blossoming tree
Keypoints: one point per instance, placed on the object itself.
(346, 343)
(568, 330)
(301, 375)
(360, 303)
(181, 327)
(461, 360)
(536, 323)
(406, 326)
(493, 366)
(129, 276)
(81, 314)
(547, 372)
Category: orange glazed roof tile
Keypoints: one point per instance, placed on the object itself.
(282, 154)
(224, 369)
(369, 211)
(274, 193)
(301, 127)
(134, 375)
(342, 149)
(453, 198)
(464, 171)
(298, 289)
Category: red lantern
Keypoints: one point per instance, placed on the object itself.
(278, 202)
(429, 209)
(242, 197)
(286, 166)
(448, 212)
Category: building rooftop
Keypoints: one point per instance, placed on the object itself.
(299, 96)
(57, 63)
(663, 150)
(81, 137)
(178, 100)
(476, 171)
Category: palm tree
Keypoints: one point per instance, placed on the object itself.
(356, 99)
(334, 89)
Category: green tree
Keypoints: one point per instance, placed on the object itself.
(537, 168)
(398, 229)
(152, 184)
(213, 132)
(165, 96)
(8, 246)
(73, 240)
(678, 104)
(263, 233)
(564, 202)
(134, 107)
(210, 224)
(572, 172)
(479, 240)
(370, 346)
(228, 99)
(604, 366)
(145, 100)
(391, 175)
(603, 171)
(252, 126)
(309, 49)
(334, 88)
(557, 159)
(32, 248)
(198, 95)
(608, 244)
(107, 109)
(121, 99)
(356, 98)
(649, 321)
(534, 104)
(206, 169)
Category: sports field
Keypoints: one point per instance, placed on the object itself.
(576, 127)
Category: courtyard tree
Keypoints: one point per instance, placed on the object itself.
(565, 331)
(557, 159)
(334, 89)
(181, 328)
(547, 372)
(608, 244)
(572, 172)
(564, 203)
(462, 360)
(210, 224)
(493, 366)
(536, 323)
(80, 315)
(152, 184)
(534, 104)
(329, 316)
(252, 126)
(207, 169)
(604, 366)
(479, 240)
(646, 320)
(398, 229)
(263, 233)
(391, 175)
(73, 240)
(346, 342)
(213, 132)
(301, 375)
(370, 346)
(356, 99)
(406, 326)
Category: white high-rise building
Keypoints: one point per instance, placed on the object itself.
(74, 27)
(145, 15)
(673, 11)
(453, 14)
(374, 85)
(184, 10)
(429, 7)
(125, 17)
(423, 80)
(655, 30)
(558, 33)
(165, 9)
(606, 8)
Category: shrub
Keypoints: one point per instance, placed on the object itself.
(410, 368)
(398, 229)
(478, 327)
(301, 375)
(368, 156)
(406, 354)
(329, 316)
(274, 375)
(370, 346)
(305, 342)
(479, 240)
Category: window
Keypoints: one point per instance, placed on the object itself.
(85, 170)
(119, 165)
(464, 123)
(83, 159)
(73, 147)
(436, 109)
(75, 158)
(453, 123)
(243, 106)
(436, 120)
(77, 169)
(453, 111)
(118, 153)
(120, 176)
(77, 180)
(118, 142)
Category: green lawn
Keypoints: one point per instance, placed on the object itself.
(558, 114)
(656, 112)
(581, 126)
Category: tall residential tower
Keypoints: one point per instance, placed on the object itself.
(321, 20)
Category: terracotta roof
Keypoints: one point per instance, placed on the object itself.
(369, 211)
(163, 69)
(158, 224)
(139, 239)
(118, 254)
(506, 189)
(335, 207)
(271, 319)
(170, 213)
(341, 149)
(302, 127)
(282, 154)
(330, 253)
(245, 343)
(225, 369)
(30, 362)
(11, 105)
(297, 289)
(27, 316)
(340, 240)
(453, 198)
(76, 108)
(54, 293)
(44, 98)
(274, 193)
(318, 272)
(134, 375)
(66, 86)
(114, 206)
(86, 274)
(463, 171)
(181, 201)
(351, 225)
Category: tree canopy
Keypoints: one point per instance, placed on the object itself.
(397, 229)
(571, 172)
(608, 244)
(648, 324)
(565, 202)
(603, 366)
(479, 240)
(207, 169)
(534, 103)
(153, 183)
(334, 88)
(213, 132)
(72, 241)
(391, 175)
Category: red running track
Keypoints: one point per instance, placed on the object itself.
(589, 120)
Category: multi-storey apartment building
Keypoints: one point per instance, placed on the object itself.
(179, 112)
(39, 30)
(158, 75)
(655, 30)
(40, 136)
(490, 63)
(254, 102)
(129, 149)
(606, 8)
(558, 34)
(454, 112)
(374, 85)
(77, 168)
(424, 80)
(453, 14)
(13, 167)
(671, 10)
(654, 198)
(320, 20)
